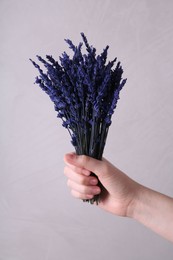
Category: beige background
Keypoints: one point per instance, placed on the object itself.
(39, 220)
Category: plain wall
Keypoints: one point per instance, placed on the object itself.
(39, 220)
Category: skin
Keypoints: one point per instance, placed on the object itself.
(120, 195)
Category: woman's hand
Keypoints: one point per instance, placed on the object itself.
(118, 189)
(120, 195)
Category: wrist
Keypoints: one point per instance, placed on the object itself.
(134, 204)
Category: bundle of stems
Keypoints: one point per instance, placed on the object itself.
(85, 90)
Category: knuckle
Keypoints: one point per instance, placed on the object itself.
(65, 170)
(68, 183)
(84, 159)
(75, 194)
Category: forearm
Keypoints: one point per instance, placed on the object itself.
(153, 210)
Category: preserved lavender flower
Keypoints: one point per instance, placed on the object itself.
(85, 91)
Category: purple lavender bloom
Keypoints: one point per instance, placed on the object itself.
(85, 91)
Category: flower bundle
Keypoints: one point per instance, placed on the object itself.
(85, 91)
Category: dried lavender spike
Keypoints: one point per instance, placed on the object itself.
(71, 45)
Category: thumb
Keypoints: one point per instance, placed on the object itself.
(83, 161)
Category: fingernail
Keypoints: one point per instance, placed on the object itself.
(89, 196)
(94, 181)
(97, 190)
(86, 172)
(71, 156)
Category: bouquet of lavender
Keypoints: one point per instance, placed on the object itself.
(85, 91)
